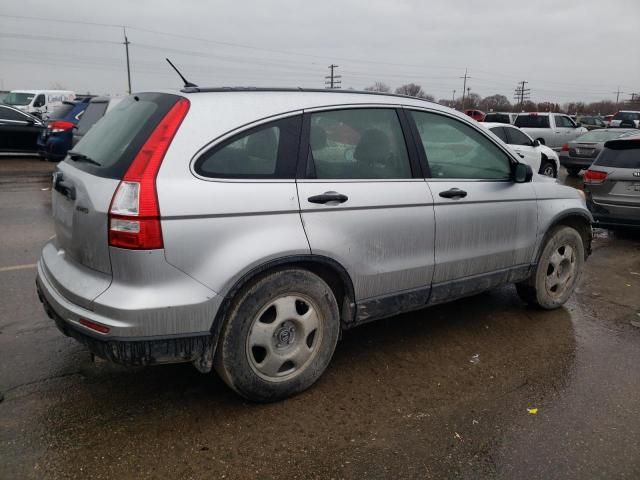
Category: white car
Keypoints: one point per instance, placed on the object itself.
(541, 158)
(38, 102)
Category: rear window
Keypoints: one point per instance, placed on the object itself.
(532, 121)
(93, 113)
(117, 137)
(600, 136)
(61, 112)
(497, 118)
(624, 155)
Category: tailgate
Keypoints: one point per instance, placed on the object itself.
(80, 203)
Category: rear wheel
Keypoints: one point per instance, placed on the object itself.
(573, 172)
(558, 270)
(280, 334)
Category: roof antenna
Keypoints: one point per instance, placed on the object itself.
(186, 83)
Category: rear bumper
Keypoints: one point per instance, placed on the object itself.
(611, 215)
(163, 317)
(575, 162)
(127, 352)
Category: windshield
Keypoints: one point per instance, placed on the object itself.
(114, 140)
(603, 136)
(16, 98)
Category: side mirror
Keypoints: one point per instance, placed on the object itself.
(522, 173)
(536, 143)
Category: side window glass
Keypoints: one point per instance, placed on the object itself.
(267, 151)
(456, 150)
(500, 133)
(519, 138)
(357, 144)
(563, 122)
(8, 114)
(39, 101)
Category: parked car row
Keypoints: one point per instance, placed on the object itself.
(580, 153)
(22, 132)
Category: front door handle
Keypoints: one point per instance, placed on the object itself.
(521, 155)
(327, 197)
(453, 193)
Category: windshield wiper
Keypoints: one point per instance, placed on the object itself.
(81, 157)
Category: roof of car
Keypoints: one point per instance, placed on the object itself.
(497, 124)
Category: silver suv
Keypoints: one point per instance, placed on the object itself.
(244, 229)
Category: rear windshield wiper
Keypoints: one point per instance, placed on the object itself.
(81, 157)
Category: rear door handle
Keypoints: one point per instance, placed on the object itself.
(327, 197)
(521, 155)
(453, 193)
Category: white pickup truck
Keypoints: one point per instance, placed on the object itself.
(550, 129)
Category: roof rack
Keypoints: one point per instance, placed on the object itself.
(293, 89)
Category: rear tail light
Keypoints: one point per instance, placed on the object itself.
(60, 126)
(594, 176)
(134, 215)
(565, 147)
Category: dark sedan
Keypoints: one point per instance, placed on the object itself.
(19, 131)
(580, 153)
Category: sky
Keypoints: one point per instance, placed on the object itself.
(570, 50)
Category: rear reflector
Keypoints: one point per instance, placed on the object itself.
(94, 326)
(134, 215)
(565, 147)
(594, 176)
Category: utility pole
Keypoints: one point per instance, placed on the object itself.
(332, 80)
(126, 47)
(464, 86)
(521, 93)
(453, 99)
(618, 92)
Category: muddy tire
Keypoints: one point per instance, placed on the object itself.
(558, 270)
(279, 335)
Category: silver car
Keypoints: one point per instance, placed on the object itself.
(580, 153)
(244, 229)
(612, 184)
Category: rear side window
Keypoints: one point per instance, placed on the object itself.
(8, 114)
(357, 144)
(622, 156)
(532, 121)
(116, 138)
(93, 113)
(500, 133)
(264, 152)
(516, 137)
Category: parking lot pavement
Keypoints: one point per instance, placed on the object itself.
(447, 392)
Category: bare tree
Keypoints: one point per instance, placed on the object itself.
(378, 87)
(413, 90)
(497, 103)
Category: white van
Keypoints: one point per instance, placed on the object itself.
(38, 102)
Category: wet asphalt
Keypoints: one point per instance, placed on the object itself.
(447, 392)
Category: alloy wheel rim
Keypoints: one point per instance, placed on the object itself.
(284, 337)
(561, 270)
(548, 171)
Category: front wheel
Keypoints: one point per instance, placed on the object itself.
(279, 335)
(558, 271)
(548, 169)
